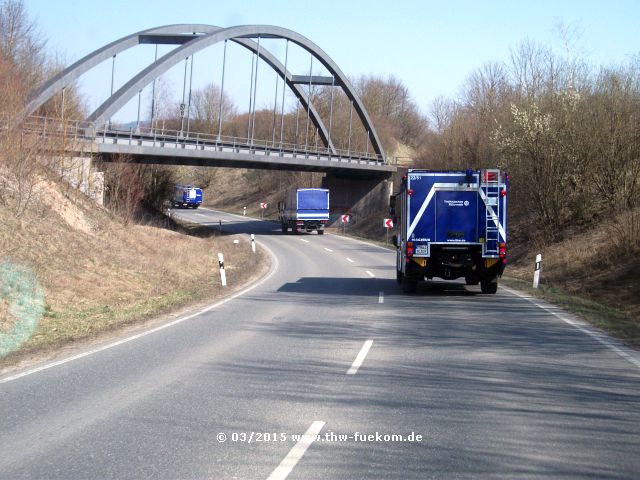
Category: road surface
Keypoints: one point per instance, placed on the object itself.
(476, 386)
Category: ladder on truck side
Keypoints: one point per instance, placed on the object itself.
(490, 185)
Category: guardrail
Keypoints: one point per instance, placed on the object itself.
(162, 138)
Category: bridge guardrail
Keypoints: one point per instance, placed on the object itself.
(82, 130)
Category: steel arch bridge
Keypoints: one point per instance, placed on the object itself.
(190, 39)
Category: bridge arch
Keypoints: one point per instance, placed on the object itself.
(211, 35)
(71, 73)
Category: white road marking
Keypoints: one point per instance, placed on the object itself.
(349, 260)
(593, 334)
(303, 240)
(360, 358)
(369, 273)
(389, 249)
(288, 463)
(328, 249)
(381, 297)
(274, 268)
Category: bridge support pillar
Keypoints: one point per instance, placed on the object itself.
(359, 197)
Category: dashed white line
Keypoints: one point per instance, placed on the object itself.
(360, 358)
(349, 260)
(303, 240)
(288, 463)
(370, 274)
(328, 249)
(381, 297)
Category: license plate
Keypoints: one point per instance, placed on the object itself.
(421, 250)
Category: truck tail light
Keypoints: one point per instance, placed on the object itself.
(502, 250)
(503, 193)
(409, 249)
(410, 192)
(324, 221)
(299, 222)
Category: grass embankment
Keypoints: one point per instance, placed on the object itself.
(99, 275)
(611, 320)
(592, 272)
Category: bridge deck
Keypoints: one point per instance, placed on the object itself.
(143, 149)
(145, 145)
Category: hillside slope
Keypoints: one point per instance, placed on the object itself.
(98, 274)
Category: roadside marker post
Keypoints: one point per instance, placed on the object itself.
(220, 226)
(345, 220)
(536, 273)
(388, 224)
(263, 206)
(244, 211)
(253, 243)
(223, 275)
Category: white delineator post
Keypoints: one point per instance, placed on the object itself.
(536, 273)
(244, 211)
(223, 276)
(253, 243)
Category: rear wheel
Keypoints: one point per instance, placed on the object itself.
(489, 286)
(398, 277)
(409, 285)
(320, 232)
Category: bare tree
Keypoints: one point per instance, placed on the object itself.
(21, 43)
(206, 108)
(162, 106)
(21, 60)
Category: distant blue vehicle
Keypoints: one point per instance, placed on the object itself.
(451, 225)
(186, 196)
(304, 209)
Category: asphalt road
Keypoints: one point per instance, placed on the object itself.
(496, 386)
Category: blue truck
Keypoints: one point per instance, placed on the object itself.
(304, 209)
(451, 224)
(186, 196)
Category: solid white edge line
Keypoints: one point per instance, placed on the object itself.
(288, 463)
(360, 358)
(370, 274)
(328, 249)
(601, 338)
(303, 240)
(274, 268)
(349, 260)
(381, 297)
(388, 250)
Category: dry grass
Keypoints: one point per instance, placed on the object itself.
(235, 188)
(600, 266)
(99, 275)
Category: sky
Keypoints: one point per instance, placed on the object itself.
(431, 46)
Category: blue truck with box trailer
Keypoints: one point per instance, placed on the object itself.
(451, 224)
(186, 196)
(304, 209)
